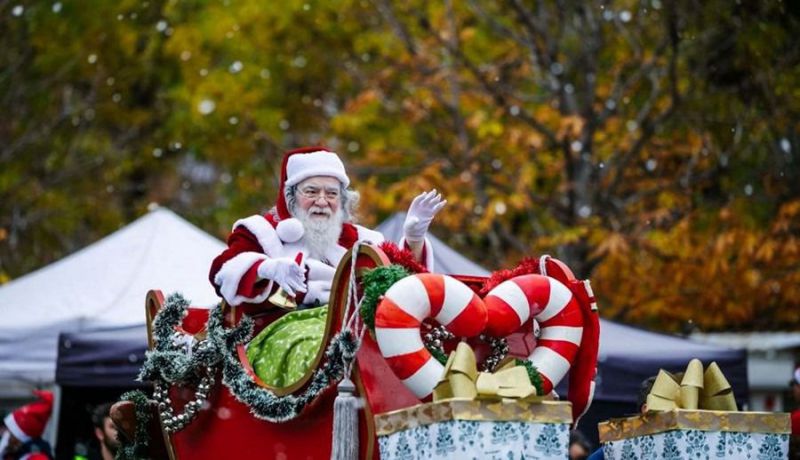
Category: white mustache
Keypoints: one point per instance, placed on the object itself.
(318, 210)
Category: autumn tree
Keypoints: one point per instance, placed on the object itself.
(615, 135)
(649, 144)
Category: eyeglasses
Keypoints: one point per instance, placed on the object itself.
(313, 193)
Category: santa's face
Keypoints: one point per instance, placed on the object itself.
(319, 196)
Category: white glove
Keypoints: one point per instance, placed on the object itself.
(285, 272)
(420, 214)
(319, 292)
(319, 271)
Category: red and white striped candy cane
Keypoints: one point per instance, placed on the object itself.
(401, 312)
(516, 301)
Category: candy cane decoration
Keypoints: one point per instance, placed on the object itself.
(401, 312)
(514, 302)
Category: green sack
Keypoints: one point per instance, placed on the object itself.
(283, 352)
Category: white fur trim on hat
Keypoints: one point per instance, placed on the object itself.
(301, 166)
(797, 375)
(15, 429)
(290, 230)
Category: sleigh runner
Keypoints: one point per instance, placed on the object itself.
(208, 401)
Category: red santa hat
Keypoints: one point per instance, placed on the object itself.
(28, 422)
(300, 164)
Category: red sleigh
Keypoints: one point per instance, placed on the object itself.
(226, 427)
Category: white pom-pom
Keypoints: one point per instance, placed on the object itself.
(290, 230)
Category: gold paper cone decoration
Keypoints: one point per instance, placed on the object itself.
(691, 385)
(461, 379)
(662, 395)
(696, 390)
(718, 394)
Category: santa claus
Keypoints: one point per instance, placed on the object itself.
(313, 216)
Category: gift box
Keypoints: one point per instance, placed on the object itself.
(694, 415)
(680, 433)
(476, 429)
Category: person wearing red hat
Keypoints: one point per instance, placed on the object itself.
(312, 216)
(295, 247)
(22, 439)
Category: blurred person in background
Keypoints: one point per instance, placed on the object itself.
(579, 446)
(106, 433)
(23, 428)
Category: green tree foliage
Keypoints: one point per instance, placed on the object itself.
(651, 145)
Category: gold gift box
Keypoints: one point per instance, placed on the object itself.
(476, 410)
(704, 420)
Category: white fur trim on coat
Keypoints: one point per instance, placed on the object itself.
(230, 275)
(266, 235)
(427, 249)
(366, 235)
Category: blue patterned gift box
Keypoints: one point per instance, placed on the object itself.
(475, 430)
(683, 434)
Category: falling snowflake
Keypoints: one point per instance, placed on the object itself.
(236, 67)
(206, 106)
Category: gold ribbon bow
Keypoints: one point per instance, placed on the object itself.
(461, 379)
(707, 390)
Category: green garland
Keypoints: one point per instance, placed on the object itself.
(438, 354)
(263, 403)
(533, 375)
(168, 365)
(376, 282)
(138, 448)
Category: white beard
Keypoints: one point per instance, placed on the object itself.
(320, 233)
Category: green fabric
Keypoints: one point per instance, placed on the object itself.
(282, 353)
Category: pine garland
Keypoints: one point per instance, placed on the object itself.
(533, 375)
(169, 366)
(376, 282)
(438, 354)
(138, 448)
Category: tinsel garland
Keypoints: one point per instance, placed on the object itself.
(376, 282)
(403, 257)
(169, 365)
(533, 375)
(526, 267)
(137, 448)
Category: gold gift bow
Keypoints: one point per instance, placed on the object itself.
(462, 380)
(707, 390)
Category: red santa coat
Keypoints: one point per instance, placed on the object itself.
(234, 273)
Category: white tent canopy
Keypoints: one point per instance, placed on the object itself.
(102, 285)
